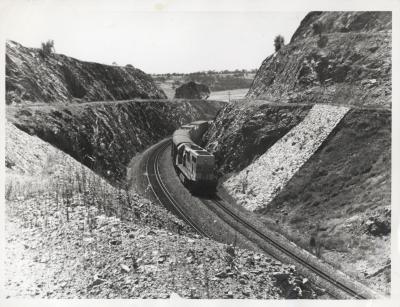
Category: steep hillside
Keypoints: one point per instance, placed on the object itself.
(341, 194)
(349, 62)
(345, 188)
(69, 234)
(243, 131)
(33, 77)
(37, 171)
(261, 181)
(105, 136)
(344, 22)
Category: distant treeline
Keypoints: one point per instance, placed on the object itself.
(215, 80)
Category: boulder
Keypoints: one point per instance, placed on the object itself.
(378, 227)
(192, 90)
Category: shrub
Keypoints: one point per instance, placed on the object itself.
(47, 48)
(279, 41)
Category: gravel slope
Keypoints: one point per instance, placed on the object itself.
(345, 185)
(256, 185)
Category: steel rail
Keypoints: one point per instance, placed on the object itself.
(162, 194)
(159, 189)
(320, 273)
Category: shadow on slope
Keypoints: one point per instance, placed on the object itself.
(106, 135)
(345, 187)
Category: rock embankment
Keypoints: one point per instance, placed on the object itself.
(343, 189)
(105, 136)
(256, 185)
(33, 77)
(243, 131)
(192, 90)
(346, 187)
(349, 62)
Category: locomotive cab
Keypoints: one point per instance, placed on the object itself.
(196, 166)
(193, 164)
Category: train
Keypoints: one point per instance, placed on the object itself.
(194, 165)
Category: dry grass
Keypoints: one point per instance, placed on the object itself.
(76, 186)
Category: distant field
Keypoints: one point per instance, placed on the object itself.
(226, 95)
(218, 82)
(217, 95)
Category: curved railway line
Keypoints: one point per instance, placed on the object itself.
(337, 286)
(161, 192)
(346, 290)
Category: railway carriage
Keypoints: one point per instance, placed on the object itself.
(193, 164)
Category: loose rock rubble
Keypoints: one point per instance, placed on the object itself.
(251, 128)
(67, 258)
(255, 186)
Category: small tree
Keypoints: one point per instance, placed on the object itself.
(47, 48)
(279, 41)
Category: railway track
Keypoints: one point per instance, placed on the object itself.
(161, 192)
(337, 285)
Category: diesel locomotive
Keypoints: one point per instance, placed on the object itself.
(193, 164)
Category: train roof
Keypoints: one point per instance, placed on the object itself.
(181, 136)
(198, 122)
(187, 126)
(198, 151)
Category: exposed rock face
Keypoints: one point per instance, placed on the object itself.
(192, 90)
(255, 186)
(345, 185)
(350, 63)
(32, 77)
(36, 168)
(352, 168)
(346, 188)
(243, 131)
(105, 136)
(343, 22)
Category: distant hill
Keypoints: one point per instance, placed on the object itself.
(346, 61)
(33, 77)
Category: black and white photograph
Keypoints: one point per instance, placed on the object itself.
(203, 150)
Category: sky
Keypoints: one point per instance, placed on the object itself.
(156, 41)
